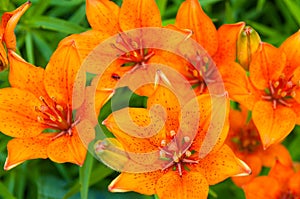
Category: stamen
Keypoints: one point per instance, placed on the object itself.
(172, 133)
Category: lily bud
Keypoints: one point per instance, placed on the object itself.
(247, 44)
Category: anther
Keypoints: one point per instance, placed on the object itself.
(188, 153)
(172, 133)
(276, 84)
(186, 139)
(163, 143)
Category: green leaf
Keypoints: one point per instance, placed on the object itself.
(5, 193)
(4, 79)
(122, 98)
(29, 48)
(294, 9)
(162, 6)
(51, 23)
(42, 45)
(84, 176)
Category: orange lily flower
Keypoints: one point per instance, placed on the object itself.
(193, 21)
(244, 140)
(237, 42)
(281, 182)
(106, 16)
(39, 100)
(270, 91)
(182, 168)
(8, 22)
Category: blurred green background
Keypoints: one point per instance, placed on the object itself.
(48, 21)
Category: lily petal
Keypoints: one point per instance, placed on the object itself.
(237, 84)
(276, 152)
(130, 133)
(289, 46)
(192, 185)
(273, 124)
(103, 15)
(267, 64)
(17, 113)
(86, 41)
(26, 76)
(67, 149)
(227, 37)
(220, 165)
(254, 162)
(8, 25)
(22, 149)
(61, 73)
(143, 183)
(139, 14)
(262, 187)
(191, 16)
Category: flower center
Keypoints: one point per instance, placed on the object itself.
(280, 91)
(56, 117)
(287, 195)
(176, 154)
(247, 139)
(132, 52)
(203, 75)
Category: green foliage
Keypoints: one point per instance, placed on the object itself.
(38, 34)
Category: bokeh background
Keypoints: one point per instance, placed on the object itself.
(48, 21)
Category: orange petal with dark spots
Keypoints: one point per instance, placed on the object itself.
(136, 130)
(227, 37)
(143, 183)
(67, 149)
(26, 76)
(220, 165)
(290, 48)
(272, 124)
(8, 24)
(22, 149)
(267, 64)
(237, 84)
(103, 15)
(192, 185)
(191, 16)
(139, 14)
(206, 118)
(17, 113)
(86, 41)
(61, 73)
(167, 100)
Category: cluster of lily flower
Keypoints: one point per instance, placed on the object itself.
(184, 154)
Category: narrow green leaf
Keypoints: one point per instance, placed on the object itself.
(79, 15)
(84, 175)
(5, 193)
(39, 8)
(29, 48)
(99, 173)
(42, 45)
(162, 6)
(4, 79)
(59, 25)
(294, 9)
